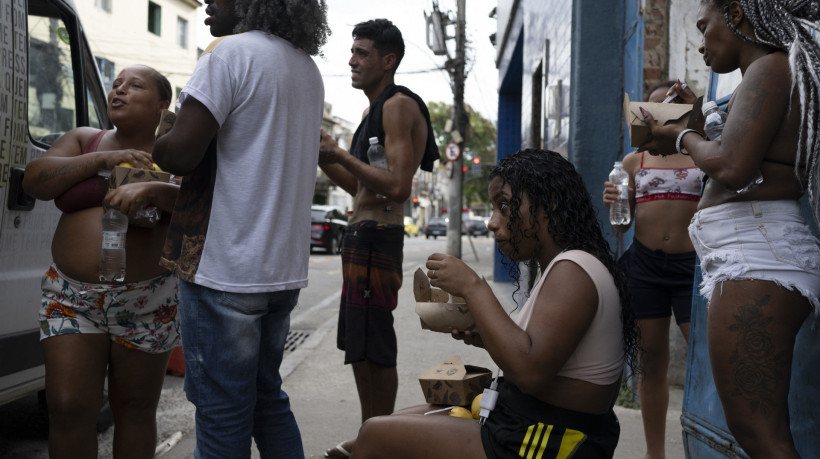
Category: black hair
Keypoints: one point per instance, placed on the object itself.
(553, 186)
(164, 86)
(386, 37)
(784, 25)
(301, 22)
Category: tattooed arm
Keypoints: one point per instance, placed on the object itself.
(64, 165)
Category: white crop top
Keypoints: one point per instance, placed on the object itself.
(599, 357)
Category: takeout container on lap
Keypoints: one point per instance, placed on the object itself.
(438, 310)
(664, 114)
(453, 383)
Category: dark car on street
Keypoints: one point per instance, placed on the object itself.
(327, 228)
(477, 227)
(435, 227)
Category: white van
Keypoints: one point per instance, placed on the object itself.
(49, 85)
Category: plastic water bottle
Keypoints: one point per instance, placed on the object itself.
(715, 119)
(375, 154)
(619, 213)
(376, 157)
(112, 255)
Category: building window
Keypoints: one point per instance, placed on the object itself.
(104, 5)
(107, 72)
(182, 32)
(154, 18)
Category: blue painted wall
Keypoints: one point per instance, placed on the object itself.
(584, 86)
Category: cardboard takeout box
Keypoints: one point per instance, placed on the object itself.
(453, 383)
(122, 175)
(663, 113)
(437, 309)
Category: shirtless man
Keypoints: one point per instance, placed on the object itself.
(372, 248)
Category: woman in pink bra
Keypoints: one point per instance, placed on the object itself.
(562, 355)
(88, 329)
(660, 263)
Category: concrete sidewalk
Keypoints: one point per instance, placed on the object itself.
(323, 393)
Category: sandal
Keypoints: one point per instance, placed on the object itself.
(338, 448)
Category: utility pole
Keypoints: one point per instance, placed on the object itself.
(436, 38)
(456, 67)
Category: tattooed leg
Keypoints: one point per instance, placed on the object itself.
(751, 330)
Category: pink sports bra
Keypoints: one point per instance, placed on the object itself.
(653, 183)
(88, 193)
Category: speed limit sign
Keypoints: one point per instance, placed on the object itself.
(452, 151)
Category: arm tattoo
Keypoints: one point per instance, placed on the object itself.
(68, 169)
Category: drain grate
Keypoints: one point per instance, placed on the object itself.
(294, 339)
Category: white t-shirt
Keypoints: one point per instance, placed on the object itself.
(268, 98)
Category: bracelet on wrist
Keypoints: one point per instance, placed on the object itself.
(680, 139)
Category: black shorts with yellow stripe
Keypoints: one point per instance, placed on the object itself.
(523, 426)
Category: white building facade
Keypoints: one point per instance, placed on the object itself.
(159, 33)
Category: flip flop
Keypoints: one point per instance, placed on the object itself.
(340, 449)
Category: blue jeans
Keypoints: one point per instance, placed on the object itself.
(233, 345)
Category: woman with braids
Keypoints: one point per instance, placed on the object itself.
(760, 262)
(562, 355)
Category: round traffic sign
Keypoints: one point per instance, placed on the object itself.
(452, 151)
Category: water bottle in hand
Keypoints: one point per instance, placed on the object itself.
(112, 255)
(619, 213)
(376, 157)
(715, 119)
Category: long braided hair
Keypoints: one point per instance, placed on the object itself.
(786, 25)
(552, 185)
(301, 22)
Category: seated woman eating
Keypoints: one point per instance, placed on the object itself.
(562, 355)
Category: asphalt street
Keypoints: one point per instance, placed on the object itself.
(322, 391)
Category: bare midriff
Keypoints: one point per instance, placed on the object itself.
(368, 206)
(662, 225)
(75, 247)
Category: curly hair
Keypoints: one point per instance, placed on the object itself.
(386, 37)
(552, 185)
(784, 25)
(301, 22)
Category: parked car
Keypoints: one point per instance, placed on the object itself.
(477, 227)
(410, 228)
(435, 227)
(327, 228)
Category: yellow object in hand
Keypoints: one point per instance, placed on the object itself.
(131, 166)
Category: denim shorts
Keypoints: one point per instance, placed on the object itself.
(761, 240)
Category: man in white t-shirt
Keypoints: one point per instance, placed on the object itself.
(246, 142)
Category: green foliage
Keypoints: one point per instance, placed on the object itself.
(626, 398)
(480, 140)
